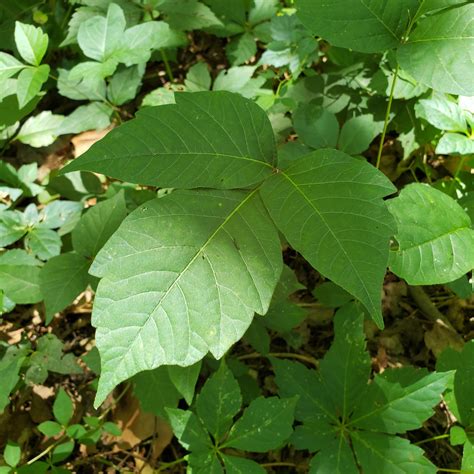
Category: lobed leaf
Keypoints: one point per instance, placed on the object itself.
(183, 275)
(218, 140)
(329, 206)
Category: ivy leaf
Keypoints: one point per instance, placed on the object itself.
(167, 265)
(369, 27)
(374, 450)
(431, 249)
(40, 130)
(43, 243)
(236, 465)
(19, 277)
(93, 116)
(13, 227)
(62, 407)
(29, 83)
(189, 430)
(358, 132)
(31, 43)
(98, 224)
(339, 409)
(10, 365)
(99, 37)
(442, 113)
(61, 280)
(219, 401)
(266, 424)
(316, 126)
(455, 143)
(184, 379)
(462, 402)
(9, 66)
(439, 51)
(189, 15)
(124, 84)
(227, 138)
(394, 406)
(329, 206)
(155, 391)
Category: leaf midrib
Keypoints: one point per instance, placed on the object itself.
(334, 236)
(185, 269)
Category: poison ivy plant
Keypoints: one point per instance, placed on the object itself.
(425, 43)
(168, 279)
(350, 423)
(430, 250)
(211, 435)
(459, 397)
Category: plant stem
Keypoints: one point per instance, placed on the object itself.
(387, 115)
(434, 438)
(288, 355)
(47, 450)
(167, 65)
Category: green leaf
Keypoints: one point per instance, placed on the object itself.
(463, 385)
(98, 224)
(93, 116)
(9, 66)
(124, 84)
(13, 227)
(389, 454)
(44, 243)
(80, 88)
(361, 25)
(155, 391)
(50, 428)
(329, 206)
(262, 10)
(60, 214)
(283, 314)
(189, 15)
(12, 453)
(436, 241)
(442, 113)
(315, 126)
(455, 144)
(335, 456)
(439, 51)
(239, 80)
(19, 277)
(219, 401)
(358, 132)
(166, 265)
(29, 83)
(236, 465)
(61, 280)
(198, 78)
(49, 357)
(139, 40)
(63, 408)
(40, 130)
(184, 379)
(228, 136)
(80, 15)
(100, 37)
(241, 49)
(31, 43)
(266, 424)
(391, 406)
(62, 451)
(10, 365)
(189, 430)
(331, 295)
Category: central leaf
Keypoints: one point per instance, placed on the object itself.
(182, 276)
(329, 206)
(216, 140)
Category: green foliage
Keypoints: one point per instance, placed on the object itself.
(348, 421)
(249, 150)
(430, 249)
(209, 429)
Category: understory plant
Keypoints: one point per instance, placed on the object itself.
(322, 159)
